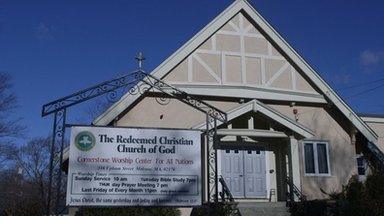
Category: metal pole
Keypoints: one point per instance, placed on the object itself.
(62, 134)
(208, 157)
(215, 149)
(208, 165)
(51, 165)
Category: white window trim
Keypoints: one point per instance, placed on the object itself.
(365, 166)
(315, 158)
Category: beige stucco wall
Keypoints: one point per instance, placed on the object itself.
(341, 151)
(379, 130)
(175, 114)
(149, 113)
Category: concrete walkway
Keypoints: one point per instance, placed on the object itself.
(267, 208)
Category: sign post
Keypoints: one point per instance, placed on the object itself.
(134, 167)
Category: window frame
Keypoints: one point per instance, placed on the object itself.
(315, 158)
(365, 166)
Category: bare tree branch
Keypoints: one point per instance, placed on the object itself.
(10, 128)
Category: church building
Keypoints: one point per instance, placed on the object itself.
(285, 123)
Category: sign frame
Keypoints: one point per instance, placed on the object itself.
(200, 183)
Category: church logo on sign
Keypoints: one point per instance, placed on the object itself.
(85, 141)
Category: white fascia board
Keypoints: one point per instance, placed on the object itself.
(250, 92)
(251, 133)
(373, 119)
(258, 106)
(310, 72)
(282, 119)
(232, 114)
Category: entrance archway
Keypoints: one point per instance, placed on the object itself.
(134, 82)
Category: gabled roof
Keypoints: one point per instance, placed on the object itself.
(244, 7)
(257, 106)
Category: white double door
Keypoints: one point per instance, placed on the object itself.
(244, 172)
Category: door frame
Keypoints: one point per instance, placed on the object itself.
(243, 148)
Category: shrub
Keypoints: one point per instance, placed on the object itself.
(374, 194)
(313, 208)
(218, 209)
(374, 185)
(356, 199)
(129, 211)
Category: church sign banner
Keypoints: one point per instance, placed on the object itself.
(134, 167)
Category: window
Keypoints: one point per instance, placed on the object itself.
(360, 165)
(316, 158)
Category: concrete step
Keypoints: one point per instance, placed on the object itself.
(263, 208)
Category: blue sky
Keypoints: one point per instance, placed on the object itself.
(55, 47)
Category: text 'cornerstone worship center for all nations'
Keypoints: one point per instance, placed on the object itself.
(284, 120)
